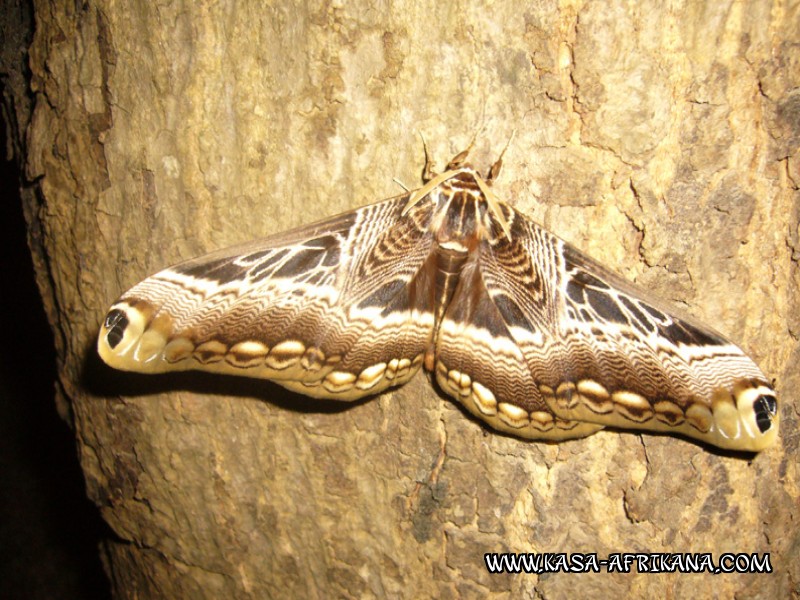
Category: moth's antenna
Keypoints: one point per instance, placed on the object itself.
(427, 171)
(494, 171)
(400, 183)
(459, 158)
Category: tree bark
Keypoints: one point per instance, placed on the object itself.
(660, 138)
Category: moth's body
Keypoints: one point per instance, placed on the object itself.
(459, 222)
(526, 332)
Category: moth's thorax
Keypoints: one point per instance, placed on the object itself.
(460, 220)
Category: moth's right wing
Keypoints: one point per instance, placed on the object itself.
(544, 342)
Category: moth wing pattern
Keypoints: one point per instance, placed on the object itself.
(484, 349)
(568, 347)
(663, 369)
(531, 335)
(326, 310)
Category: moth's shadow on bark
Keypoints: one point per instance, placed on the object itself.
(103, 381)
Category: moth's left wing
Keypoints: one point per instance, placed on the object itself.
(338, 309)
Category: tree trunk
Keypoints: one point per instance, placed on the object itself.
(662, 139)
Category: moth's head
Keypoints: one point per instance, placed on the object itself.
(459, 164)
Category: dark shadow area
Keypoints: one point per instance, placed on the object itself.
(49, 531)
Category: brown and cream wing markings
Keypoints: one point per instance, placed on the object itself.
(307, 309)
(558, 346)
(531, 335)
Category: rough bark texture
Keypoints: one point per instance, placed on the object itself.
(662, 138)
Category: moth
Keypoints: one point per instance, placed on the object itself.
(532, 336)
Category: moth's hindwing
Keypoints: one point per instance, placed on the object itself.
(481, 361)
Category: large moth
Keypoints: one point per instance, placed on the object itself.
(532, 336)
